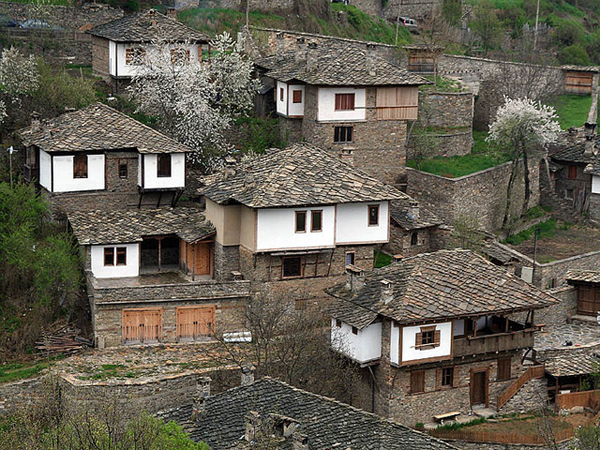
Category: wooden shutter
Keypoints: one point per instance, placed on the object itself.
(194, 322)
(437, 338)
(80, 166)
(503, 368)
(344, 102)
(164, 165)
(455, 377)
(418, 340)
(572, 172)
(297, 96)
(417, 381)
(398, 103)
(439, 373)
(142, 325)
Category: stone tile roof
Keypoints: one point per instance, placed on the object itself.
(145, 27)
(498, 252)
(98, 127)
(298, 175)
(441, 285)
(325, 422)
(583, 276)
(338, 65)
(112, 227)
(400, 213)
(576, 154)
(571, 363)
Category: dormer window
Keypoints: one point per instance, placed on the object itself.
(344, 102)
(164, 165)
(80, 166)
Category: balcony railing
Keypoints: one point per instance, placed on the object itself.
(494, 342)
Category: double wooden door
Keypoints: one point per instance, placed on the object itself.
(142, 325)
(194, 322)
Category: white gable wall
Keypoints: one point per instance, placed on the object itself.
(353, 223)
(363, 346)
(63, 174)
(410, 353)
(279, 102)
(45, 170)
(112, 58)
(295, 109)
(276, 229)
(394, 343)
(124, 70)
(326, 105)
(153, 181)
(131, 269)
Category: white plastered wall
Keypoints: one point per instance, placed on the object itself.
(326, 105)
(45, 170)
(276, 229)
(64, 181)
(394, 343)
(595, 184)
(362, 347)
(112, 58)
(352, 223)
(279, 102)
(295, 109)
(131, 269)
(124, 70)
(411, 353)
(153, 181)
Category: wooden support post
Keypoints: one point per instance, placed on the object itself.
(330, 262)
(270, 266)
(506, 324)
(193, 261)
(317, 266)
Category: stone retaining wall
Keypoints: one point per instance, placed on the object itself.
(20, 393)
(557, 270)
(530, 398)
(446, 109)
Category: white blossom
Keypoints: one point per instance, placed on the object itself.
(18, 73)
(195, 101)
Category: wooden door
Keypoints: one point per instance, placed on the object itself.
(588, 300)
(202, 255)
(479, 387)
(142, 325)
(195, 321)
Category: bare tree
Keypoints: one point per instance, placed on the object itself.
(436, 34)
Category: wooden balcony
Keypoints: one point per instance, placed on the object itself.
(494, 342)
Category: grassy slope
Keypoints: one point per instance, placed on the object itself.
(572, 110)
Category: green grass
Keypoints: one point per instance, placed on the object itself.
(18, 371)
(572, 110)
(546, 229)
(459, 425)
(383, 259)
(443, 85)
(46, 2)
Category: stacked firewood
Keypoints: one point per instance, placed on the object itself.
(64, 340)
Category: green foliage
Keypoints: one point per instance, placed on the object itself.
(545, 229)
(443, 84)
(17, 371)
(574, 54)
(486, 25)
(568, 32)
(459, 425)
(259, 134)
(466, 232)
(381, 259)
(588, 438)
(452, 11)
(572, 110)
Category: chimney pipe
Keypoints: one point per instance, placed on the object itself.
(370, 62)
(172, 13)
(230, 164)
(300, 50)
(387, 291)
(201, 394)
(247, 375)
(312, 61)
(36, 124)
(251, 425)
(347, 155)
(280, 46)
(413, 210)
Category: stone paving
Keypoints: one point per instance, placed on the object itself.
(578, 333)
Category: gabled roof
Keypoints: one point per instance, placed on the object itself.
(400, 213)
(127, 226)
(583, 276)
(570, 363)
(145, 27)
(336, 65)
(298, 175)
(442, 285)
(576, 154)
(98, 127)
(325, 422)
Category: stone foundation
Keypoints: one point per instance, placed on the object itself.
(532, 397)
(227, 260)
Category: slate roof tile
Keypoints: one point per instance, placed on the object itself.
(401, 215)
(127, 226)
(440, 285)
(298, 175)
(571, 363)
(585, 276)
(325, 422)
(98, 127)
(144, 27)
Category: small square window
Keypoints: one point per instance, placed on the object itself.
(163, 165)
(300, 221)
(373, 215)
(447, 376)
(109, 256)
(344, 102)
(342, 134)
(121, 256)
(280, 94)
(427, 337)
(338, 323)
(292, 267)
(297, 96)
(316, 222)
(122, 168)
(350, 256)
(354, 330)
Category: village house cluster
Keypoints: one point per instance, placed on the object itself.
(436, 334)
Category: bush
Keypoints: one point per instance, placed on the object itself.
(574, 54)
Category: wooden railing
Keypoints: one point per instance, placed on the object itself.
(498, 437)
(530, 374)
(587, 399)
(493, 343)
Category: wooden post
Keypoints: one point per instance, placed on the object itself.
(193, 261)
(506, 324)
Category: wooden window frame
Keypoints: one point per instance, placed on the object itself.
(413, 382)
(123, 168)
(447, 377)
(355, 330)
(134, 55)
(297, 216)
(80, 165)
(369, 221)
(343, 134)
(109, 253)
(429, 337)
(414, 238)
(121, 252)
(284, 259)
(504, 373)
(353, 253)
(345, 101)
(296, 96)
(314, 213)
(161, 171)
(572, 175)
(281, 94)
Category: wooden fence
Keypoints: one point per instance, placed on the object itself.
(530, 374)
(499, 437)
(587, 399)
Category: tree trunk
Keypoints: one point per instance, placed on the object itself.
(527, 193)
(511, 181)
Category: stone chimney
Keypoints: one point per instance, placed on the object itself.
(413, 210)
(251, 425)
(230, 164)
(36, 124)
(397, 258)
(280, 45)
(152, 15)
(370, 60)
(172, 13)
(300, 49)
(300, 442)
(312, 58)
(355, 278)
(201, 395)
(387, 291)
(247, 375)
(347, 155)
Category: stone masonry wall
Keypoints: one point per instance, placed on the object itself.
(530, 398)
(446, 109)
(400, 241)
(557, 314)
(227, 260)
(557, 270)
(20, 394)
(416, 10)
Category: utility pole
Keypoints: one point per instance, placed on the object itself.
(248, 14)
(11, 150)
(535, 239)
(398, 21)
(537, 18)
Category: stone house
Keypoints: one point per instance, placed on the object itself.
(297, 217)
(346, 99)
(432, 333)
(290, 418)
(119, 45)
(150, 276)
(100, 158)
